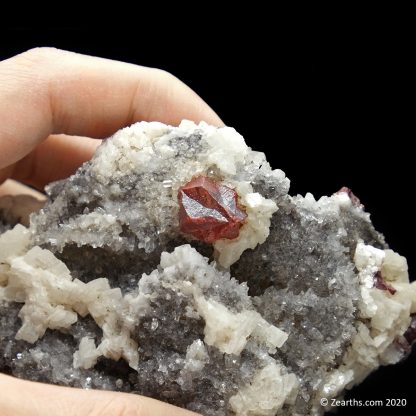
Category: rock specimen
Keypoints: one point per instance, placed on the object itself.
(174, 264)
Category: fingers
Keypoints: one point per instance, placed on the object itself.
(46, 91)
(11, 187)
(23, 398)
(56, 158)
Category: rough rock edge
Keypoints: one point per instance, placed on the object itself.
(383, 319)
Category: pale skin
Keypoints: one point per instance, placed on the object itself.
(55, 108)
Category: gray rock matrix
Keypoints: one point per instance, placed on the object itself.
(270, 330)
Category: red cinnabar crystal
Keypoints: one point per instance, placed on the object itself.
(209, 211)
(355, 201)
(381, 284)
(410, 333)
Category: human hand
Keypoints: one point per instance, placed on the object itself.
(54, 108)
(47, 94)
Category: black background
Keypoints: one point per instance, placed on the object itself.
(330, 109)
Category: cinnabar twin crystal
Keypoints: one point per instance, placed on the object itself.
(209, 211)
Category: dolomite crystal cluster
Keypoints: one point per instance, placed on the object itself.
(174, 264)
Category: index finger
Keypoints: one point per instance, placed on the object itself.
(45, 91)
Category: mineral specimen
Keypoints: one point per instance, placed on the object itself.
(174, 264)
(209, 211)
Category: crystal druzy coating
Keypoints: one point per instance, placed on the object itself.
(209, 211)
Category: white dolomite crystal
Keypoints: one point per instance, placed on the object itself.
(229, 331)
(52, 299)
(266, 394)
(255, 231)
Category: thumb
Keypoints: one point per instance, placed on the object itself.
(25, 398)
